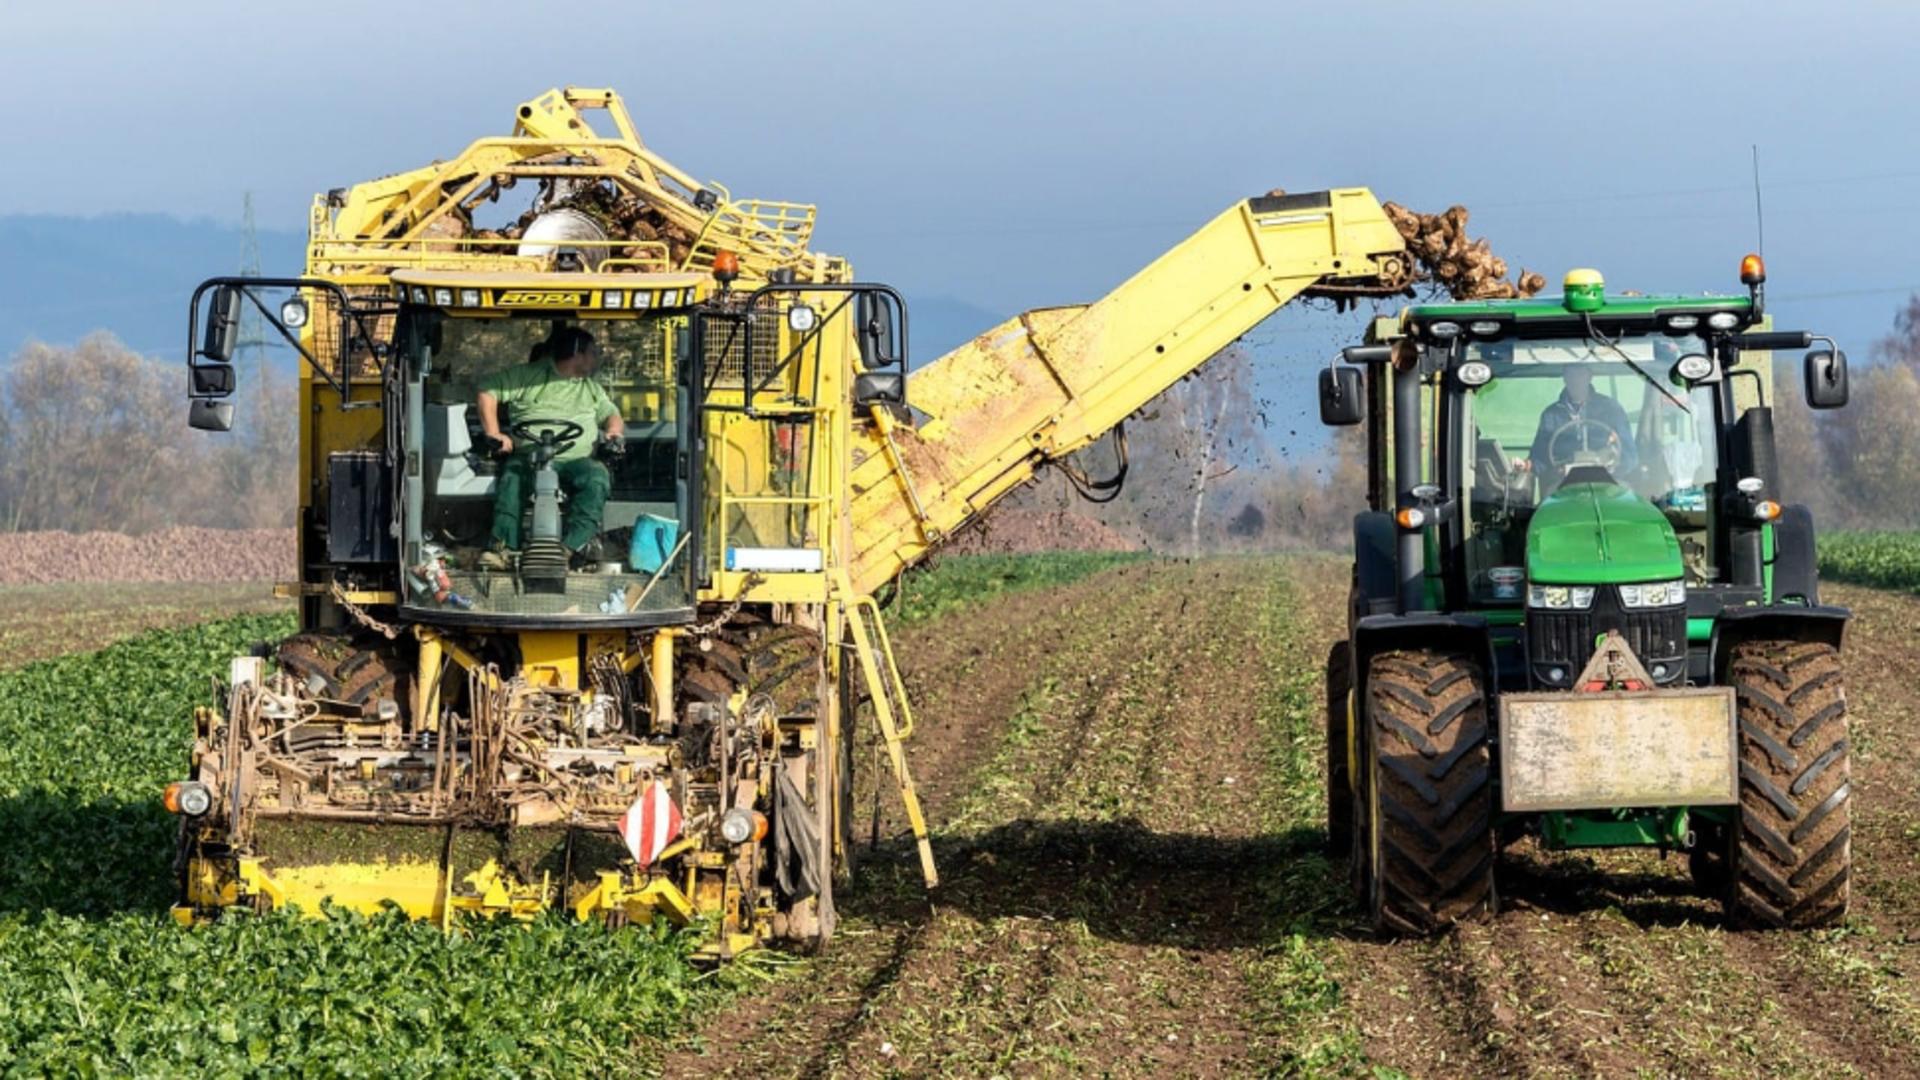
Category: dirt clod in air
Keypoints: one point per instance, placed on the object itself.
(1466, 268)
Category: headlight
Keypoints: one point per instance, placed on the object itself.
(1723, 320)
(1560, 597)
(741, 825)
(1654, 594)
(800, 318)
(1474, 373)
(189, 797)
(1693, 367)
(293, 313)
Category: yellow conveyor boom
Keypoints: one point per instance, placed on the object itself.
(1053, 380)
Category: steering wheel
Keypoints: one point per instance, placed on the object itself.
(558, 435)
(1607, 455)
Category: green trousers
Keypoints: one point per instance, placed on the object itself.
(585, 482)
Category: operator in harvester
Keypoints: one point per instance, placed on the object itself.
(1567, 424)
(556, 388)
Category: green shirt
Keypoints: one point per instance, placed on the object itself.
(539, 392)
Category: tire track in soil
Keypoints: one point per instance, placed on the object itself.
(1087, 758)
(1605, 963)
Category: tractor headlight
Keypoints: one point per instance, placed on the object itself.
(741, 825)
(1474, 373)
(1560, 597)
(1654, 594)
(189, 797)
(293, 313)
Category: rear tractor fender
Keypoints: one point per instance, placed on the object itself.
(1824, 624)
(1374, 634)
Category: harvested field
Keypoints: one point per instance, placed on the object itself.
(176, 554)
(38, 621)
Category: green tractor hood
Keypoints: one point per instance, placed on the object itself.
(1600, 534)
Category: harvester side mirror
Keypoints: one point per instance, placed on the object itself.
(876, 323)
(1367, 354)
(211, 380)
(1826, 378)
(223, 324)
(1342, 401)
(206, 414)
(880, 387)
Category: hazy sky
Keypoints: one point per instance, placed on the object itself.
(1017, 155)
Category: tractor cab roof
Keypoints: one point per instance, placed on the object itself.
(497, 292)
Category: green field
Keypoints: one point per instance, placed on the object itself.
(1884, 560)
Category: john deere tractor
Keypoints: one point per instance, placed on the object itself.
(1583, 609)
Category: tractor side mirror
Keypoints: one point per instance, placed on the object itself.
(211, 380)
(1342, 401)
(877, 327)
(206, 414)
(1826, 378)
(880, 387)
(223, 324)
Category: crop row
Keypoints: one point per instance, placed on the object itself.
(1885, 560)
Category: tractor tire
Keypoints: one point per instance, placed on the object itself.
(1790, 855)
(1339, 685)
(1431, 820)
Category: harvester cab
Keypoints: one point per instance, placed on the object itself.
(1583, 608)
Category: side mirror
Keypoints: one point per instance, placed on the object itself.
(1342, 401)
(876, 325)
(880, 387)
(223, 324)
(1826, 378)
(208, 415)
(211, 380)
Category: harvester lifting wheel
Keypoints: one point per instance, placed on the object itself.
(1789, 855)
(1430, 849)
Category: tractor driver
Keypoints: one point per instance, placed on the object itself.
(557, 388)
(1580, 419)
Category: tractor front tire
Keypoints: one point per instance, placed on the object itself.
(1790, 853)
(1431, 778)
(1339, 680)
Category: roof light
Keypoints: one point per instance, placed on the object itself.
(1693, 367)
(801, 318)
(1474, 373)
(1723, 320)
(1444, 331)
(670, 298)
(293, 313)
(469, 297)
(419, 295)
(1749, 485)
(613, 298)
(726, 267)
(1682, 322)
(642, 299)
(1583, 290)
(443, 297)
(1752, 270)
(1484, 327)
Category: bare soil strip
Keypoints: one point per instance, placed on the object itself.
(1125, 776)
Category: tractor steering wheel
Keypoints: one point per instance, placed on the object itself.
(1606, 455)
(556, 436)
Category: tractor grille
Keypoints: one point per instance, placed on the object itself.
(1565, 639)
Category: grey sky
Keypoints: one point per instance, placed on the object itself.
(1019, 154)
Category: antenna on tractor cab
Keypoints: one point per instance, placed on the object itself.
(1759, 215)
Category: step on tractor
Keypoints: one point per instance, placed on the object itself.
(603, 472)
(1583, 610)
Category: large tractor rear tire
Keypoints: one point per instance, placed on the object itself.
(1430, 773)
(1339, 776)
(1790, 855)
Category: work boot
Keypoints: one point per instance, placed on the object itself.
(497, 557)
(587, 560)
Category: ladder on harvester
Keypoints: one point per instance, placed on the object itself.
(891, 710)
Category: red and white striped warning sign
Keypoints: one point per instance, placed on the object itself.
(650, 824)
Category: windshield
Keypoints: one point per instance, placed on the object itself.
(1571, 409)
(577, 510)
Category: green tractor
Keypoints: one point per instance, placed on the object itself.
(1582, 608)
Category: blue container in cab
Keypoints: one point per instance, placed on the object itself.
(654, 538)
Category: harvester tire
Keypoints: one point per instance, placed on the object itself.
(1339, 680)
(1431, 820)
(1791, 851)
(356, 669)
